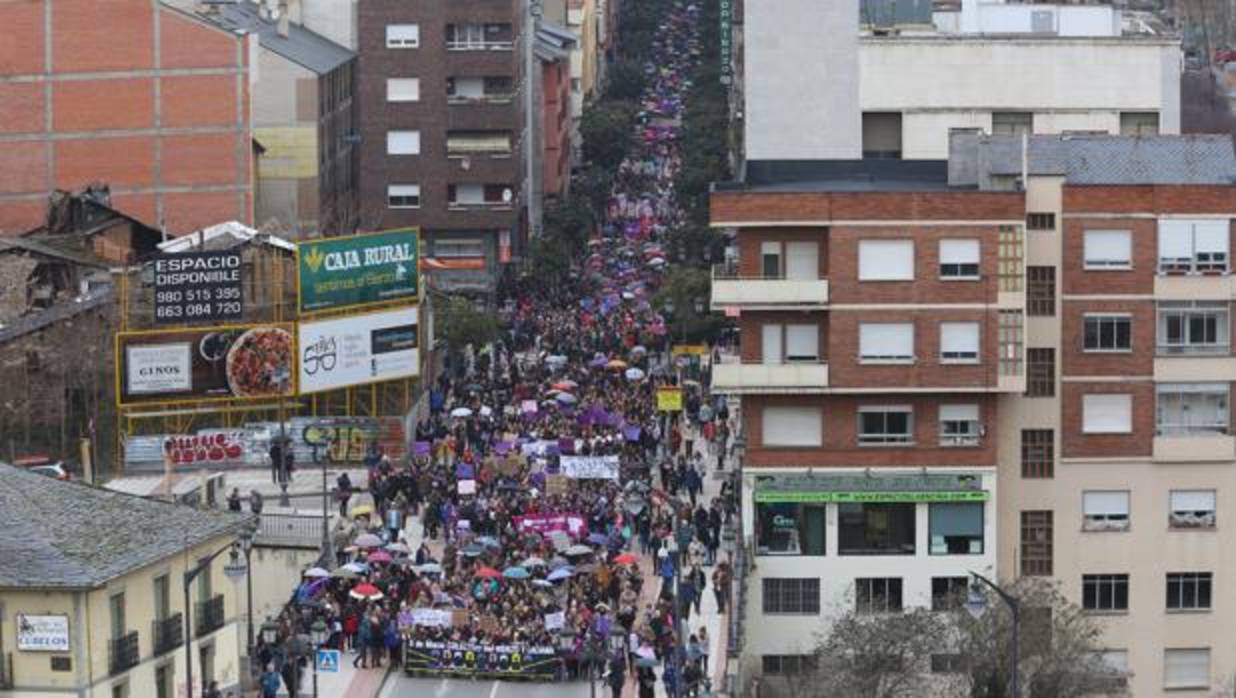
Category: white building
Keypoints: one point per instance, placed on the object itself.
(896, 91)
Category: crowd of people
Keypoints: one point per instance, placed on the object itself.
(558, 509)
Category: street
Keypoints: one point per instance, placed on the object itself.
(399, 685)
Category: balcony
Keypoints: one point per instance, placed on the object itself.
(1187, 368)
(766, 293)
(209, 615)
(1194, 287)
(167, 633)
(1194, 448)
(122, 653)
(755, 378)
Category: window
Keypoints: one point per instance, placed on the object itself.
(458, 247)
(163, 681)
(120, 689)
(403, 142)
(1193, 328)
(1183, 409)
(1139, 123)
(1108, 249)
(206, 663)
(795, 595)
(1113, 667)
(885, 342)
(1040, 372)
(770, 259)
(1108, 413)
(959, 342)
(1193, 246)
(881, 426)
(1108, 333)
(786, 528)
(793, 426)
(885, 260)
(882, 135)
(1105, 592)
(1188, 591)
(1040, 221)
(789, 664)
(949, 593)
(116, 615)
(162, 597)
(1186, 668)
(1191, 509)
(1038, 453)
(465, 36)
(875, 529)
(956, 528)
(403, 35)
(403, 195)
(1041, 291)
(782, 343)
(465, 195)
(1036, 544)
(403, 89)
(576, 85)
(959, 425)
(1012, 123)
(1105, 510)
(877, 595)
(959, 259)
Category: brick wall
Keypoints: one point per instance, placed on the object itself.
(756, 207)
(927, 371)
(927, 286)
(1075, 444)
(1140, 279)
(1139, 361)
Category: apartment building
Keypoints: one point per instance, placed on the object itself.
(895, 91)
(134, 94)
(441, 120)
(990, 363)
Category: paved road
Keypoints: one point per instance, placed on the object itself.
(402, 686)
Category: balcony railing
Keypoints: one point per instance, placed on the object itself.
(502, 98)
(729, 288)
(479, 206)
(754, 378)
(479, 45)
(122, 653)
(209, 615)
(168, 633)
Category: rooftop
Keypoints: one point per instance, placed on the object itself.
(223, 236)
(301, 46)
(872, 175)
(66, 535)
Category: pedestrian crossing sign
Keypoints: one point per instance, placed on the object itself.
(328, 661)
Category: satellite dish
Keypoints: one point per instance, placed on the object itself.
(506, 195)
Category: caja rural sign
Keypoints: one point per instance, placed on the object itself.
(197, 287)
(357, 270)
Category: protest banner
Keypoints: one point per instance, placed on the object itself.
(480, 659)
(432, 617)
(556, 484)
(590, 467)
(574, 524)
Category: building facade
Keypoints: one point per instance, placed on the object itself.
(136, 95)
(897, 91)
(441, 109)
(988, 364)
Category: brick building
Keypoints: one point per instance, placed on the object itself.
(989, 363)
(132, 93)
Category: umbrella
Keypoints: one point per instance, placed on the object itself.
(639, 350)
(564, 385)
(487, 573)
(542, 582)
(367, 540)
(430, 568)
(515, 573)
(596, 539)
(357, 567)
(472, 550)
(461, 412)
(316, 573)
(627, 559)
(646, 662)
(397, 547)
(597, 362)
(532, 562)
(634, 374)
(361, 510)
(578, 550)
(379, 556)
(567, 398)
(405, 561)
(489, 542)
(586, 569)
(616, 364)
(560, 573)
(344, 573)
(556, 359)
(558, 563)
(366, 591)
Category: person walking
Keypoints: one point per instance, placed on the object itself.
(343, 492)
(233, 500)
(721, 585)
(271, 681)
(364, 635)
(703, 646)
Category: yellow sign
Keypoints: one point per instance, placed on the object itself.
(669, 399)
(697, 349)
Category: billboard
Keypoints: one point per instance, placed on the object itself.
(47, 633)
(208, 363)
(358, 349)
(197, 287)
(357, 270)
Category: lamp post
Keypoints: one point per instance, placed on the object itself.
(318, 633)
(234, 570)
(246, 544)
(976, 605)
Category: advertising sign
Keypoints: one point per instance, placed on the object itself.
(516, 660)
(590, 467)
(345, 439)
(727, 42)
(231, 362)
(669, 399)
(42, 633)
(358, 349)
(197, 287)
(357, 270)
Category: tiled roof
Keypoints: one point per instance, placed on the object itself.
(301, 46)
(71, 535)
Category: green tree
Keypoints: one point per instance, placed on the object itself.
(606, 129)
(684, 297)
(626, 80)
(459, 322)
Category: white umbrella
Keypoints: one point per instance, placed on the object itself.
(316, 573)
(634, 374)
(367, 540)
(461, 412)
(398, 548)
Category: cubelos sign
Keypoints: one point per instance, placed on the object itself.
(358, 270)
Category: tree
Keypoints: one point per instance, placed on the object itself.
(606, 129)
(890, 655)
(626, 80)
(684, 296)
(459, 322)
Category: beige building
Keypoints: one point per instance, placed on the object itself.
(92, 594)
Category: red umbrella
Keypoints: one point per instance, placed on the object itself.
(365, 591)
(488, 573)
(379, 556)
(627, 559)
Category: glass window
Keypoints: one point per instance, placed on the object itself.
(1188, 591)
(885, 260)
(877, 594)
(770, 259)
(1139, 123)
(1041, 291)
(1108, 249)
(1040, 372)
(1105, 510)
(1108, 333)
(458, 247)
(1036, 543)
(959, 259)
(1193, 246)
(1193, 328)
(1038, 453)
(1040, 221)
(885, 342)
(949, 593)
(792, 595)
(882, 426)
(789, 664)
(956, 528)
(876, 529)
(403, 195)
(1105, 592)
(1182, 409)
(959, 425)
(959, 342)
(1012, 123)
(403, 36)
(403, 142)
(1191, 509)
(785, 528)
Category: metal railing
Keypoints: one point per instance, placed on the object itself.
(168, 633)
(122, 653)
(209, 615)
(292, 530)
(730, 271)
(479, 45)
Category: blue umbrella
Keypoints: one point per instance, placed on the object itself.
(515, 573)
(598, 538)
(560, 573)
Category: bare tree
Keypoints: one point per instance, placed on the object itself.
(875, 656)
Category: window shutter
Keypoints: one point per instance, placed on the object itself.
(1105, 503)
(959, 413)
(770, 337)
(1107, 414)
(959, 338)
(1211, 236)
(1186, 668)
(885, 260)
(793, 426)
(802, 342)
(1113, 247)
(1193, 500)
(403, 142)
(959, 252)
(964, 519)
(886, 339)
(403, 89)
(802, 260)
(1175, 240)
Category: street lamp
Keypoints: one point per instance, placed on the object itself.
(976, 605)
(233, 570)
(317, 632)
(246, 544)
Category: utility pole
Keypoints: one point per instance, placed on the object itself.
(531, 20)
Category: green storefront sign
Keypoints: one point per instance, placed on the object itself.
(868, 497)
(803, 488)
(358, 270)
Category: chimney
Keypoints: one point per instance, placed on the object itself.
(284, 20)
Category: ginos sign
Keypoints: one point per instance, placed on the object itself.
(210, 448)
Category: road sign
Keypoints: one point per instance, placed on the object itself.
(328, 661)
